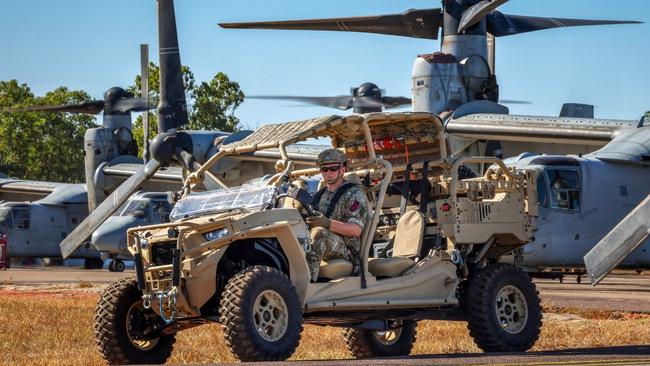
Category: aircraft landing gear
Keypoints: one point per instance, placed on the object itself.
(116, 265)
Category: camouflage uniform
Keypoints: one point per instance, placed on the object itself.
(351, 207)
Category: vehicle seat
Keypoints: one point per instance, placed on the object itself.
(406, 247)
(335, 268)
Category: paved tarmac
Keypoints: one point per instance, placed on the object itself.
(618, 292)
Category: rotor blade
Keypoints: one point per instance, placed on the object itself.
(366, 102)
(342, 102)
(85, 229)
(500, 24)
(416, 23)
(91, 107)
(477, 12)
(394, 102)
(514, 101)
(172, 109)
(132, 105)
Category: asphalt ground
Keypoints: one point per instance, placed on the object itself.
(630, 293)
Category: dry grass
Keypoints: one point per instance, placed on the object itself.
(85, 284)
(56, 329)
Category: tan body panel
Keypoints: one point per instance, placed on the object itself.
(431, 283)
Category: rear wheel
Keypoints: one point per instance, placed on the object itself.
(122, 326)
(398, 341)
(503, 309)
(261, 315)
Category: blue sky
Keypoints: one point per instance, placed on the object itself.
(94, 45)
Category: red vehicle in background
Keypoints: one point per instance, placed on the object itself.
(4, 250)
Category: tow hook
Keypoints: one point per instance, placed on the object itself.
(170, 296)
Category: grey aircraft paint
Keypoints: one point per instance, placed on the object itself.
(573, 220)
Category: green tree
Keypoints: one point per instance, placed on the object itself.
(39, 145)
(211, 104)
(215, 103)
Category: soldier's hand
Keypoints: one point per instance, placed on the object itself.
(318, 220)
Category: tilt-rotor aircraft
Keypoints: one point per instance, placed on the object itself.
(464, 70)
(35, 216)
(189, 149)
(581, 197)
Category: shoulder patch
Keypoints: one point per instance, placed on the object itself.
(355, 206)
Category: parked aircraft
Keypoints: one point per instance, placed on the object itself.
(35, 216)
(34, 229)
(143, 208)
(581, 197)
(464, 69)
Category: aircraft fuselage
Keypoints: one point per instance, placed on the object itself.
(580, 200)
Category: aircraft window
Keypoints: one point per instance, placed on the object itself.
(21, 216)
(541, 190)
(138, 209)
(565, 188)
(6, 219)
(161, 210)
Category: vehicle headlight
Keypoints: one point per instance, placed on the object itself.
(216, 234)
(144, 243)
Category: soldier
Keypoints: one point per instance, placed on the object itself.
(340, 218)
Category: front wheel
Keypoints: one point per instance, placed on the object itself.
(122, 326)
(398, 341)
(261, 315)
(503, 309)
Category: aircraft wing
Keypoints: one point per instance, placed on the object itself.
(564, 130)
(26, 190)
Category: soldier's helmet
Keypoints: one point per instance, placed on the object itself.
(331, 156)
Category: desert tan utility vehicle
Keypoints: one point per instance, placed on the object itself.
(237, 256)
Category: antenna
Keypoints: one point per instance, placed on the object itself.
(144, 92)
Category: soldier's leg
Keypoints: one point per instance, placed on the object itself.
(325, 245)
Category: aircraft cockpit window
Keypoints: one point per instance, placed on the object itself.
(161, 210)
(6, 219)
(541, 190)
(565, 188)
(21, 217)
(138, 209)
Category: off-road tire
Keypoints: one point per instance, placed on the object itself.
(237, 310)
(481, 309)
(111, 334)
(364, 343)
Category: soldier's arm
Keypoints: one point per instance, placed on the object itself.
(345, 228)
(355, 208)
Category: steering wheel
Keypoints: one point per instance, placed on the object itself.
(300, 195)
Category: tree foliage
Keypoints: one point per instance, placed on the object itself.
(211, 104)
(39, 145)
(49, 146)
